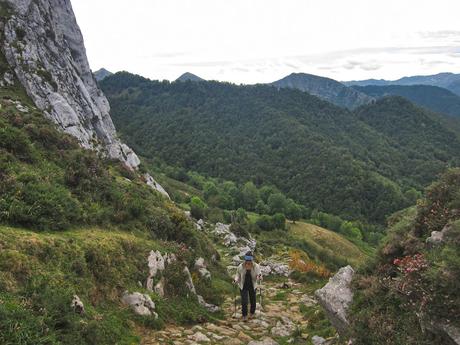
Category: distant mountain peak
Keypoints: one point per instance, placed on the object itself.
(189, 76)
(324, 88)
(101, 74)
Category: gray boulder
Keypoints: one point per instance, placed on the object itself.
(141, 304)
(335, 298)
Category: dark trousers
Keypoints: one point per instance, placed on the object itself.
(244, 301)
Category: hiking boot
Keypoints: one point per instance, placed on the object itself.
(251, 316)
(245, 319)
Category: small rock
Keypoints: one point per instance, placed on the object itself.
(265, 341)
(199, 338)
(77, 305)
(244, 337)
(283, 328)
(316, 340)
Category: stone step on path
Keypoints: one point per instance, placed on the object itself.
(280, 318)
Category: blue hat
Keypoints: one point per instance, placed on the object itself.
(248, 256)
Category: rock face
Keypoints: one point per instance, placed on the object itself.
(44, 46)
(325, 88)
(336, 296)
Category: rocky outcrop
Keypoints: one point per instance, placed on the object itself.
(44, 47)
(438, 237)
(157, 263)
(189, 283)
(201, 267)
(335, 298)
(155, 185)
(141, 304)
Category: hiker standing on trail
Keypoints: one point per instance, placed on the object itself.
(247, 275)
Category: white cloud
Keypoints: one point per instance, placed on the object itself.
(252, 41)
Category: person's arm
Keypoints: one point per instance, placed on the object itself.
(236, 279)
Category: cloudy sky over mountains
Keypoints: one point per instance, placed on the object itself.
(249, 41)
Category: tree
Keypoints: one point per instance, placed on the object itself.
(348, 229)
(266, 191)
(209, 190)
(279, 221)
(277, 203)
(250, 195)
(293, 211)
(197, 207)
(261, 208)
(240, 216)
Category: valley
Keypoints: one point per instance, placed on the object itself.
(127, 204)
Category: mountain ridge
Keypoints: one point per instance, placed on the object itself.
(324, 88)
(431, 97)
(447, 80)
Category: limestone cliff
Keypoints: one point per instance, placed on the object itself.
(43, 45)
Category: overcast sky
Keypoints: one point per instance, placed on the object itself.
(250, 41)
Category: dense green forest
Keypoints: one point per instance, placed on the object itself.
(322, 156)
(432, 97)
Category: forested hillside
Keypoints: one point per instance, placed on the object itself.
(431, 97)
(322, 156)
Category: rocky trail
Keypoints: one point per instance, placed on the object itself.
(279, 320)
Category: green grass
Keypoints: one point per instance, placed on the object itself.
(329, 240)
(40, 272)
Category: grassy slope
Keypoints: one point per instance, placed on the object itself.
(329, 240)
(72, 222)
